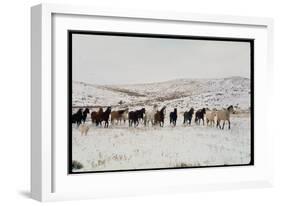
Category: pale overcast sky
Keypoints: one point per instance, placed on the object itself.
(101, 59)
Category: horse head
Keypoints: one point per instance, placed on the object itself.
(163, 110)
(79, 111)
(191, 110)
(230, 109)
(100, 111)
(108, 109)
(126, 111)
(203, 111)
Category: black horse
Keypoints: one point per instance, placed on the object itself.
(135, 116)
(187, 116)
(77, 117)
(173, 117)
(160, 116)
(200, 115)
(105, 117)
(140, 114)
(84, 115)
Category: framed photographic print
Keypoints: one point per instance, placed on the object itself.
(122, 101)
(147, 101)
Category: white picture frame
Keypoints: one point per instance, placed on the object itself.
(49, 178)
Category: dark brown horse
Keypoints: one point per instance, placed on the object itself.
(105, 116)
(96, 116)
(160, 116)
(84, 115)
(135, 116)
(174, 117)
(200, 115)
(187, 116)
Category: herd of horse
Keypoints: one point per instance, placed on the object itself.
(153, 116)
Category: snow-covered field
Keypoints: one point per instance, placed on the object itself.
(121, 148)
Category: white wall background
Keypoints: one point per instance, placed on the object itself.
(15, 101)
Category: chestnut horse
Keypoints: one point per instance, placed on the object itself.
(119, 115)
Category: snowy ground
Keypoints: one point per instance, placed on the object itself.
(123, 148)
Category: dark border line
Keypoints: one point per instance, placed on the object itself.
(252, 101)
(69, 100)
(158, 36)
(166, 36)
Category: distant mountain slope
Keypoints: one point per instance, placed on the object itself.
(175, 93)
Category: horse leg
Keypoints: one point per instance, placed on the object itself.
(228, 124)
(223, 124)
(218, 124)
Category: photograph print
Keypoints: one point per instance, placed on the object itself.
(155, 101)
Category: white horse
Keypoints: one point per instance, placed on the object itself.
(224, 115)
(149, 115)
(84, 128)
(211, 117)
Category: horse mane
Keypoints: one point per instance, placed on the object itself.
(228, 108)
(121, 111)
(204, 110)
(86, 111)
(108, 109)
(191, 110)
(163, 108)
